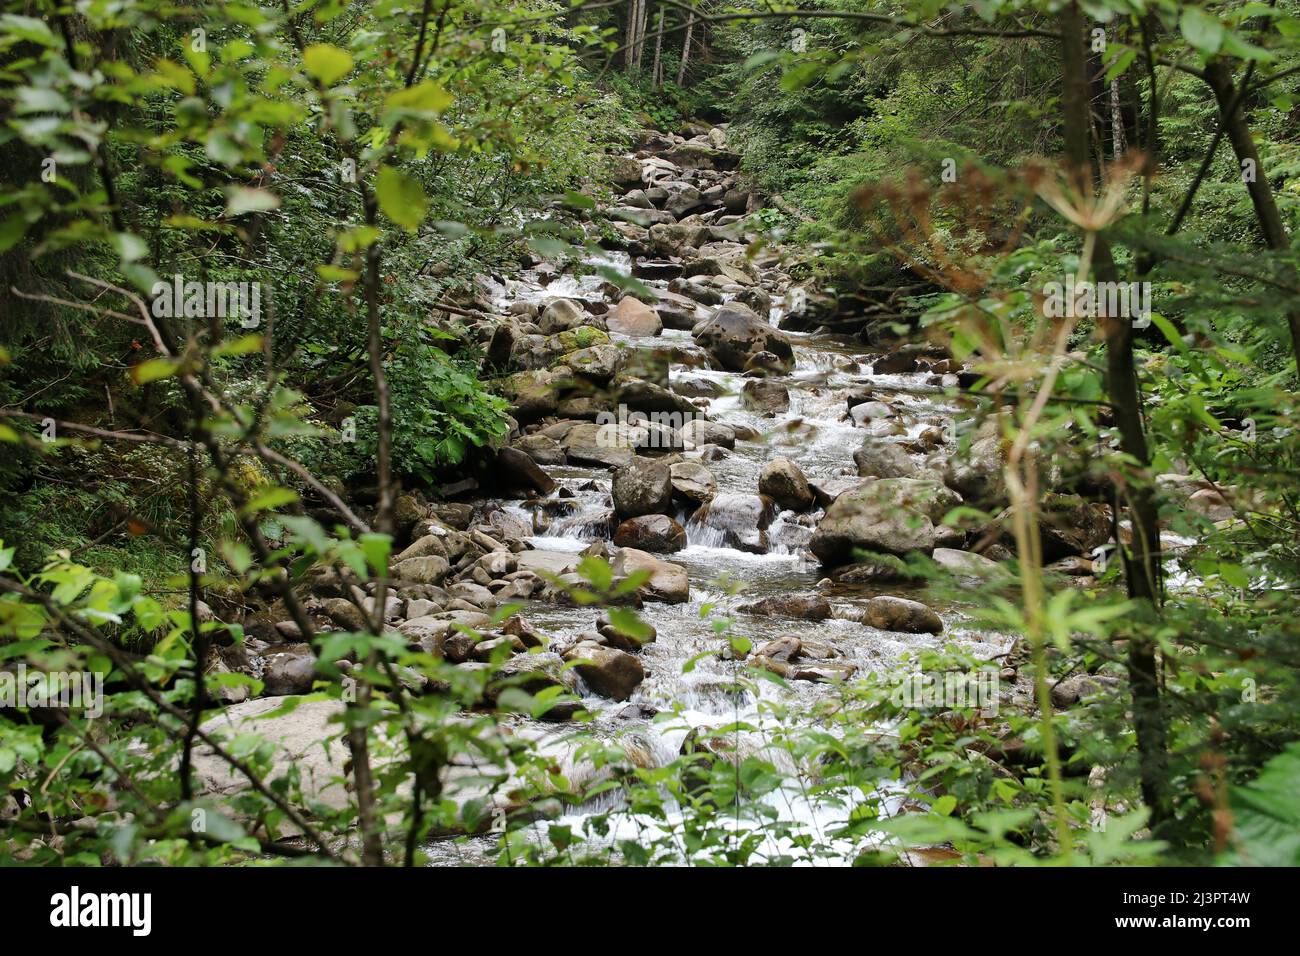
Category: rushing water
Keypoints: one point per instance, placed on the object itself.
(817, 434)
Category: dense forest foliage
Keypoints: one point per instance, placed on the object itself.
(317, 320)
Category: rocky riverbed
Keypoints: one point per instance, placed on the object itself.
(714, 426)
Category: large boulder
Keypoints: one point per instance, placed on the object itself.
(608, 445)
(966, 564)
(700, 431)
(532, 394)
(675, 238)
(666, 582)
(783, 482)
(430, 569)
(890, 613)
(891, 516)
(975, 469)
(563, 315)
(624, 171)
(656, 532)
(634, 318)
(651, 397)
(542, 449)
(764, 395)
(289, 669)
(516, 469)
(597, 363)
(1067, 525)
(736, 521)
(884, 459)
(607, 671)
(304, 740)
(642, 486)
(692, 482)
(736, 334)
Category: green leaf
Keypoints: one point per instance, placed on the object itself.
(337, 273)
(1267, 815)
(1201, 30)
(326, 63)
(30, 29)
(244, 345)
(424, 100)
(153, 370)
(1234, 575)
(401, 198)
(376, 548)
(12, 231)
(270, 498)
(945, 805)
(242, 199)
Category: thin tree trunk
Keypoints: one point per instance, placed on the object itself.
(1232, 118)
(1141, 558)
(629, 38)
(656, 77)
(1116, 122)
(686, 48)
(642, 22)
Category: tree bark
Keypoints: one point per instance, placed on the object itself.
(1141, 558)
(656, 76)
(1232, 118)
(686, 48)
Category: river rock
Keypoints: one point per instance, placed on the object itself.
(1075, 688)
(653, 532)
(430, 569)
(699, 432)
(764, 395)
(884, 459)
(428, 633)
(650, 398)
(597, 364)
(516, 469)
(624, 171)
(891, 515)
(534, 673)
(806, 607)
(697, 386)
(667, 582)
(609, 445)
(563, 315)
(975, 471)
(868, 412)
(642, 486)
(634, 318)
(692, 481)
(888, 613)
(347, 615)
(1069, 524)
(607, 671)
(783, 482)
(783, 649)
(739, 521)
(542, 449)
(304, 740)
(736, 334)
(965, 563)
(290, 669)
